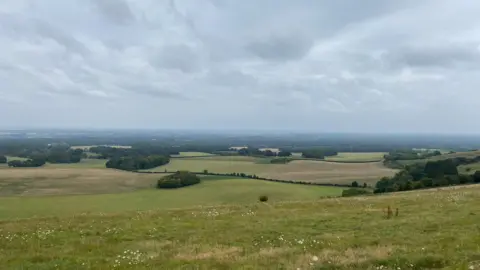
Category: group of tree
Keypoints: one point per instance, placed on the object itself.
(134, 163)
(3, 159)
(319, 153)
(178, 179)
(37, 155)
(427, 175)
(27, 163)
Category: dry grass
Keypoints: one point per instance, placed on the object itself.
(299, 170)
(60, 181)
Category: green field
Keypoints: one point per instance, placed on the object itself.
(435, 229)
(357, 157)
(209, 192)
(469, 169)
(299, 170)
(193, 154)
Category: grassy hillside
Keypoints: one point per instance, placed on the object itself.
(435, 229)
(212, 191)
(301, 170)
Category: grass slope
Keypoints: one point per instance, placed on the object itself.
(435, 229)
(209, 192)
(301, 170)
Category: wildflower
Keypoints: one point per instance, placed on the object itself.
(315, 258)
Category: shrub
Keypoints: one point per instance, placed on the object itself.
(263, 198)
(178, 180)
(354, 192)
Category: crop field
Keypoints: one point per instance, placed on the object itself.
(300, 170)
(435, 229)
(357, 157)
(193, 154)
(54, 180)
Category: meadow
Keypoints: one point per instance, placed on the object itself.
(299, 170)
(211, 191)
(435, 229)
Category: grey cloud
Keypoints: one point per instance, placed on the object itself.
(442, 55)
(180, 57)
(288, 47)
(306, 64)
(116, 11)
(47, 30)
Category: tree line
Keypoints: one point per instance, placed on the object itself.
(427, 175)
(253, 176)
(134, 163)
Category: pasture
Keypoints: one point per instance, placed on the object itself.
(357, 157)
(435, 229)
(211, 191)
(299, 170)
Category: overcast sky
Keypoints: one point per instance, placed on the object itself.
(342, 66)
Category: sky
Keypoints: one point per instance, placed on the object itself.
(305, 65)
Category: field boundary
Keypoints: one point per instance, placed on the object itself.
(338, 161)
(256, 178)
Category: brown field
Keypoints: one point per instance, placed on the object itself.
(298, 170)
(56, 181)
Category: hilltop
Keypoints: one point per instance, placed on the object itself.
(434, 229)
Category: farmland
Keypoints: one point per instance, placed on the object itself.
(299, 170)
(339, 233)
(356, 157)
(57, 180)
